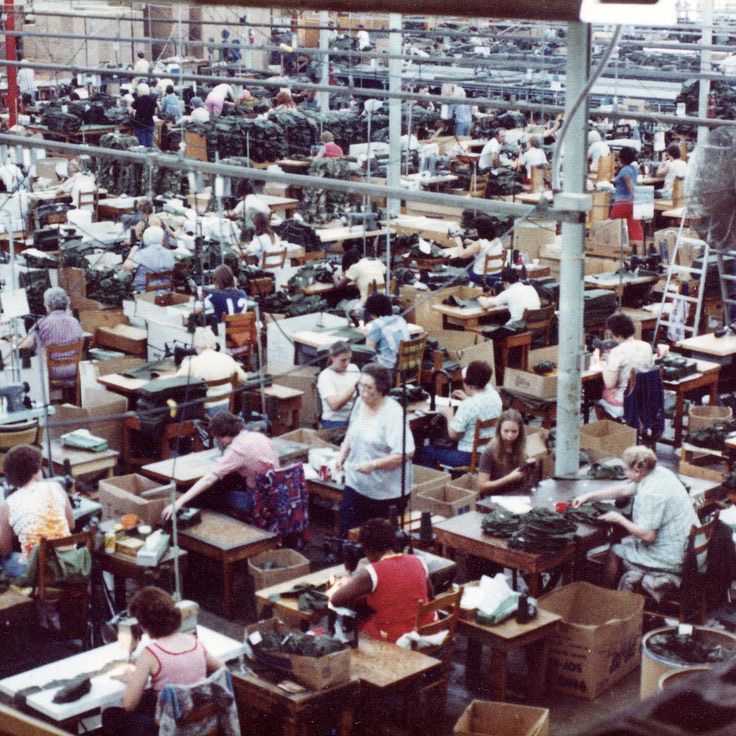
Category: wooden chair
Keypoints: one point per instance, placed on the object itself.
(493, 264)
(274, 259)
(88, 200)
(689, 603)
(478, 185)
(516, 345)
(241, 336)
(161, 281)
(539, 322)
(22, 433)
(479, 443)
(409, 360)
(537, 178)
(59, 357)
(231, 396)
(70, 598)
(171, 435)
(446, 607)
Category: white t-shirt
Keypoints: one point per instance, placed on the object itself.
(675, 168)
(488, 153)
(627, 355)
(331, 383)
(409, 142)
(595, 151)
(263, 244)
(533, 157)
(200, 115)
(517, 298)
(487, 248)
(364, 273)
(251, 204)
(364, 40)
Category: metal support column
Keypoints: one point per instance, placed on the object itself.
(705, 60)
(324, 60)
(10, 54)
(572, 257)
(394, 125)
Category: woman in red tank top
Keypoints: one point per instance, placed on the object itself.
(172, 658)
(392, 584)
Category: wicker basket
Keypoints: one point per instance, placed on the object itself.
(700, 417)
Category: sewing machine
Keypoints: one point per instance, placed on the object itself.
(16, 396)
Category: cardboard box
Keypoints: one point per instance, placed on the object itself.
(594, 265)
(529, 235)
(427, 479)
(316, 673)
(310, 437)
(489, 718)
(98, 405)
(445, 501)
(126, 339)
(146, 307)
(690, 246)
(607, 238)
(287, 564)
(530, 384)
(607, 435)
(122, 495)
(598, 640)
(467, 482)
(302, 378)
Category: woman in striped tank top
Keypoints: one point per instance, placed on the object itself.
(171, 658)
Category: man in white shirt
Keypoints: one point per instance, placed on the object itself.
(596, 149)
(490, 156)
(26, 82)
(516, 297)
(533, 156)
(364, 40)
(673, 167)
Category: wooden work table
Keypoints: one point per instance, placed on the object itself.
(710, 345)
(83, 462)
(186, 470)
(469, 317)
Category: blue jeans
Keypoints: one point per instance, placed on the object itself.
(333, 424)
(145, 136)
(462, 128)
(432, 456)
(355, 509)
(488, 280)
(12, 564)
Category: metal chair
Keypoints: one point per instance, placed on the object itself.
(409, 360)
(60, 357)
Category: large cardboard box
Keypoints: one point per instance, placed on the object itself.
(690, 247)
(489, 718)
(123, 495)
(598, 640)
(310, 437)
(314, 672)
(445, 501)
(530, 384)
(302, 378)
(529, 235)
(607, 238)
(123, 337)
(427, 479)
(275, 566)
(607, 435)
(100, 413)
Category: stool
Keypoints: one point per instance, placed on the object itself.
(505, 638)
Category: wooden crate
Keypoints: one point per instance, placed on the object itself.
(196, 145)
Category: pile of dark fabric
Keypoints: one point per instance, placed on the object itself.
(35, 283)
(713, 437)
(45, 260)
(100, 109)
(548, 288)
(121, 177)
(304, 645)
(723, 94)
(302, 131)
(435, 251)
(687, 649)
(442, 276)
(292, 306)
(588, 513)
(675, 367)
(299, 233)
(598, 305)
(504, 181)
(311, 273)
(109, 286)
(55, 119)
(414, 394)
(345, 125)
(261, 139)
(540, 531)
(321, 205)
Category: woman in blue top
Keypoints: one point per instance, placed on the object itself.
(623, 195)
(228, 299)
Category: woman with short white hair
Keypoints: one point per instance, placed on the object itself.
(209, 364)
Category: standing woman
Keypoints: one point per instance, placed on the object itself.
(171, 658)
(143, 109)
(623, 195)
(504, 466)
(371, 453)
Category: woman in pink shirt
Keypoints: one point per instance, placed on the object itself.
(171, 658)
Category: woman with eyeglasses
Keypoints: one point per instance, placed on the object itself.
(371, 453)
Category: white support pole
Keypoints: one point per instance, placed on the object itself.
(324, 45)
(705, 60)
(573, 255)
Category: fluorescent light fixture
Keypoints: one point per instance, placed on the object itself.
(633, 12)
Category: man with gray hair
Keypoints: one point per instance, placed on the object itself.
(151, 258)
(58, 327)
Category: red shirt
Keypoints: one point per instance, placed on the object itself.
(332, 150)
(399, 583)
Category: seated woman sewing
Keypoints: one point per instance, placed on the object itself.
(171, 658)
(658, 530)
(37, 508)
(392, 584)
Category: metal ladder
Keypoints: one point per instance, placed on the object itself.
(673, 269)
